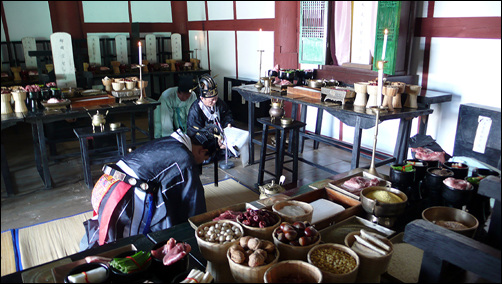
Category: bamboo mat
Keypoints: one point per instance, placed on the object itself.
(51, 240)
(228, 192)
(8, 254)
(45, 242)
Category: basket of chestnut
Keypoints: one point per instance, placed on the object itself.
(259, 223)
(295, 240)
(250, 258)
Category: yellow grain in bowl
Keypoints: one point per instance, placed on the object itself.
(384, 196)
(337, 263)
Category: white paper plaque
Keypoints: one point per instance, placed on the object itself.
(176, 46)
(29, 44)
(94, 50)
(151, 48)
(484, 125)
(121, 49)
(64, 65)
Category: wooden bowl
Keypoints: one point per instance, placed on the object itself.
(216, 252)
(290, 252)
(261, 233)
(372, 265)
(118, 86)
(331, 277)
(307, 216)
(293, 271)
(243, 273)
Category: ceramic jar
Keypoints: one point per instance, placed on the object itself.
(460, 170)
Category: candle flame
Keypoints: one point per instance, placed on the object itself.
(386, 31)
(380, 64)
(260, 30)
(139, 43)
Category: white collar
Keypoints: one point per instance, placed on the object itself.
(183, 138)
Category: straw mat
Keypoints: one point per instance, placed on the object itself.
(51, 240)
(8, 254)
(228, 192)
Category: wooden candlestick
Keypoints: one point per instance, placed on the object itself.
(396, 101)
(412, 91)
(389, 93)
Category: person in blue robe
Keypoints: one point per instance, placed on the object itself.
(152, 188)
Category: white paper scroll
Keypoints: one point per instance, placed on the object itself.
(176, 46)
(94, 50)
(121, 49)
(362, 31)
(237, 139)
(482, 132)
(64, 65)
(151, 48)
(29, 44)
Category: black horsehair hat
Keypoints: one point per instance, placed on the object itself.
(207, 86)
(207, 138)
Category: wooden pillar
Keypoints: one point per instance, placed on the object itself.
(286, 34)
(65, 17)
(180, 20)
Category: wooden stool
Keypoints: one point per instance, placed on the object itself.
(280, 147)
(111, 156)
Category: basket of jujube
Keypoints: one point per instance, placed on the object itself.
(250, 258)
(295, 240)
(259, 223)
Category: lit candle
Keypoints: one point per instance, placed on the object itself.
(140, 54)
(380, 83)
(386, 32)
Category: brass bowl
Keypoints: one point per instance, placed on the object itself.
(383, 209)
(115, 125)
(442, 213)
(286, 120)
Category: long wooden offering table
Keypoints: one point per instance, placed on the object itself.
(358, 117)
(409, 232)
(39, 119)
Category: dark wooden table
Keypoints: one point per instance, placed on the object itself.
(9, 120)
(358, 117)
(38, 120)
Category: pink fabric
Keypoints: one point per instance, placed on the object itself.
(342, 28)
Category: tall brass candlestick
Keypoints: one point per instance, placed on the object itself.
(141, 99)
(259, 85)
(377, 110)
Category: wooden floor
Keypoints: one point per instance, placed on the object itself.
(31, 204)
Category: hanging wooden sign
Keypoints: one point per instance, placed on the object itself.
(388, 17)
(64, 65)
(151, 48)
(29, 44)
(121, 49)
(176, 46)
(94, 50)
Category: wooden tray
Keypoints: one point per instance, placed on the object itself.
(59, 273)
(352, 207)
(339, 187)
(305, 91)
(196, 221)
(336, 233)
(92, 101)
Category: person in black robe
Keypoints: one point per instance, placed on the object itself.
(208, 109)
(153, 188)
